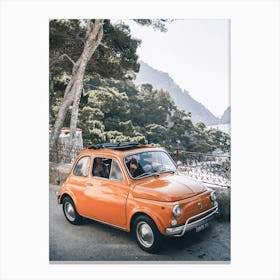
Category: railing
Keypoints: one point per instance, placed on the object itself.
(207, 168)
(204, 167)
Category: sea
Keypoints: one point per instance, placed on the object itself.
(223, 127)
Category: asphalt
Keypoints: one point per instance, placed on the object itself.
(95, 242)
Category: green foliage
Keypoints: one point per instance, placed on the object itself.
(117, 136)
(157, 24)
(149, 105)
(156, 133)
(115, 58)
(119, 111)
(128, 113)
(112, 107)
(117, 53)
(220, 139)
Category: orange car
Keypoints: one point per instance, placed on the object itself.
(135, 188)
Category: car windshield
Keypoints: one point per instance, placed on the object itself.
(144, 164)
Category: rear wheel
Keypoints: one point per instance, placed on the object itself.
(70, 211)
(147, 235)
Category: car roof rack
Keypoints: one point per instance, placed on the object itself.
(116, 146)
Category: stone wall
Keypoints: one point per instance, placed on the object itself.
(58, 172)
(223, 198)
(64, 152)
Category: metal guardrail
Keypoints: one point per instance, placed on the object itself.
(205, 167)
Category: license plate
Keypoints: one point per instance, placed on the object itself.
(201, 227)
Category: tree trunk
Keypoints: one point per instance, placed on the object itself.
(74, 87)
(89, 51)
(66, 103)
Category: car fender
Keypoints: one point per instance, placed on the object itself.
(149, 212)
(68, 193)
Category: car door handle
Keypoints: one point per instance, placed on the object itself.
(89, 184)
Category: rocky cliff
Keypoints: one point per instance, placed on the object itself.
(181, 97)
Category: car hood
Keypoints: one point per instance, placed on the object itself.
(167, 188)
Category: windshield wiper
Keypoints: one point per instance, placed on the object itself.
(167, 170)
(154, 173)
(146, 173)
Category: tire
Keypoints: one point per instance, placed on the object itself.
(146, 234)
(70, 211)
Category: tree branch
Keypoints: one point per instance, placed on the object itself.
(55, 61)
(69, 58)
(96, 28)
(89, 26)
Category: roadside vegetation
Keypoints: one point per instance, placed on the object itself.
(92, 67)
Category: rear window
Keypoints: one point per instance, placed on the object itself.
(82, 167)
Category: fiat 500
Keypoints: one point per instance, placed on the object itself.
(138, 189)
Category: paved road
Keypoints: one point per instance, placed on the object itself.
(92, 241)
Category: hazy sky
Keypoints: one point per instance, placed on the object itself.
(195, 53)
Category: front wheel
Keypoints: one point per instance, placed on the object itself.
(147, 235)
(70, 211)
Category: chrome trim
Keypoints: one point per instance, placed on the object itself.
(173, 210)
(145, 234)
(69, 211)
(105, 223)
(213, 196)
(181, 230)
(57, 197)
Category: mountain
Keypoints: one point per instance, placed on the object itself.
(226, 116)
(182, 99)
(224, 124)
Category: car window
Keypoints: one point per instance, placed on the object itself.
(144, 164)
(82, 167)
(106, 168)
(101, 167)
(116, 173)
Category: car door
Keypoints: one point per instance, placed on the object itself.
(106, 197)
(78, 180)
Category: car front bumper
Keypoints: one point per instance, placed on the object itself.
(206, 216)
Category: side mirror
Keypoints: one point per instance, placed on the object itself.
(179, 163)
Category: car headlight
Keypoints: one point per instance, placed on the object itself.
(213, 196)
(177, 210)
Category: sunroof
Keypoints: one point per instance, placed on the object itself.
(116, 146)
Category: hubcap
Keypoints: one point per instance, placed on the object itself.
(145, 234)
(69, 211)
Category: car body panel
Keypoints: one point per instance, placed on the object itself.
(106, 201)
(118, 202)
(167, 187)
